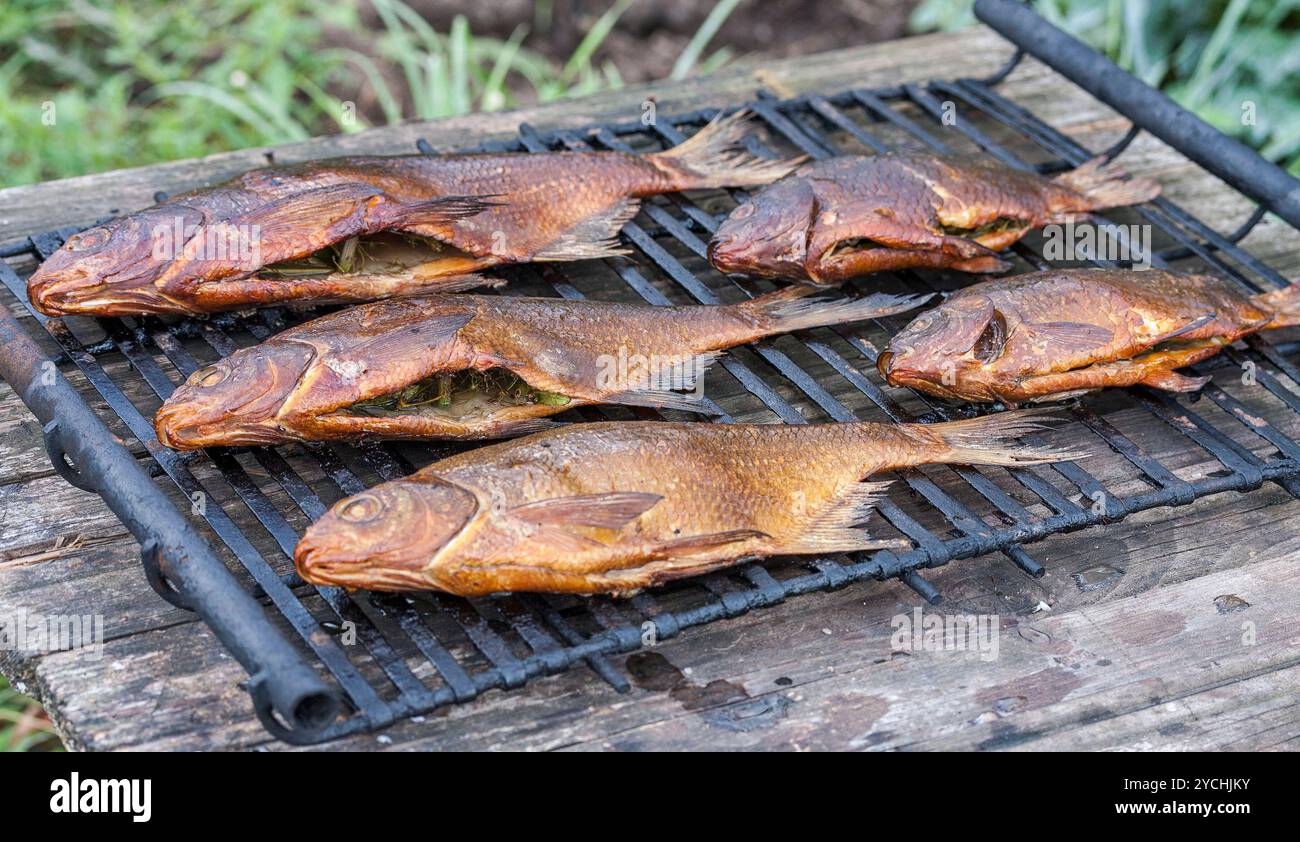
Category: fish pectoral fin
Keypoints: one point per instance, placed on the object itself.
(1172, 381)
(612, 510)
(432, 218)
(595, 236)
(1068, 336)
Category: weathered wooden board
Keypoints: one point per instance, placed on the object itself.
(1155, 598)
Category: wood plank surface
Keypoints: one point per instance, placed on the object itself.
(1135, 638)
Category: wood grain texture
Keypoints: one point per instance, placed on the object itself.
(1133, 639)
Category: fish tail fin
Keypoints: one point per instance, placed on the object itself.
(1285, 304)
(992, 440)
(715, 157)
(792, 308)
(1106, 184)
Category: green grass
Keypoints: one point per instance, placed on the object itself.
(133, 83)
(22, 727)
(1225, 60)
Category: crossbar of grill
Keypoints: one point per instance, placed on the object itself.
(550, 637)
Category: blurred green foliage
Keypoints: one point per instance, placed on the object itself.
(1214, 58)
(130, 82)
(22, 726)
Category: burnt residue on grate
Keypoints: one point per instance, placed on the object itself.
(397, 656)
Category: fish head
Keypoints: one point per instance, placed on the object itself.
(112, 269)
(386, 538)
(236, 400)
(766, 236)
(951, 350)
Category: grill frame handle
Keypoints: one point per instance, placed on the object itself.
(1229, 159)
(285, 691)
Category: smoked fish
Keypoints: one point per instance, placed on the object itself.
(476, 366)
(843, 217)
(1061, 333)
(362, 228)
(614, 507)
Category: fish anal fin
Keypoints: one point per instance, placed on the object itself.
(611, 510)
(843, 540)
(689, 544)
(593, 237)
(835, 527)
(988, 264)
(1172, 381)
(669, 384)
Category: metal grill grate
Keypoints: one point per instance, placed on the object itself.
(415, 654)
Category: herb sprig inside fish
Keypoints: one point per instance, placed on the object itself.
(842, 217)
(361, 228)
(468, 366)
(1057, 334)
(615, 507)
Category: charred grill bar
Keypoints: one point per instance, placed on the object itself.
(415, 654)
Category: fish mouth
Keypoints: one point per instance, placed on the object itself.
(176, 431)
(314, 565)
(898, 374)
(56, 293)
(388, 538)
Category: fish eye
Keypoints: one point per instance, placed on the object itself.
(86, 240)
(210, 376)
(745, 211)
(361, 509)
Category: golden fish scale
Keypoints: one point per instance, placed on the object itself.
(1051, 347)
(1136, 307)
(541, 196)
(926, 189)
(713, 477)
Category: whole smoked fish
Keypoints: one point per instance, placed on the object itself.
(842, 217)
(615, 507)
(361, 228)
(472, 366)
(1057, 334)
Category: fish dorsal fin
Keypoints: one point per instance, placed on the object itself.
(611, 510)
(1068, 336)
(593, 237)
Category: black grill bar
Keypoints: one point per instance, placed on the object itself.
(420, 652)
